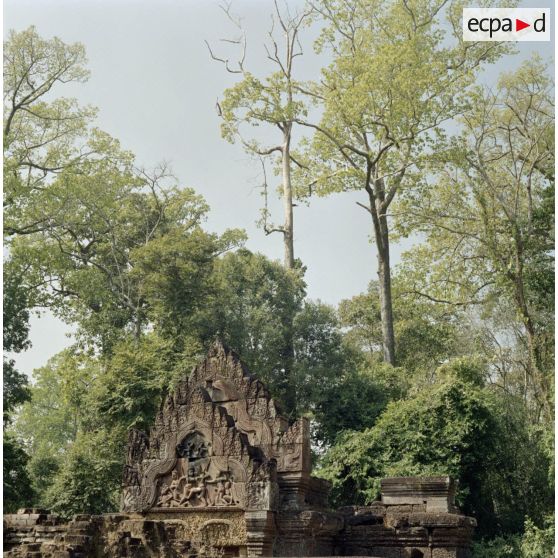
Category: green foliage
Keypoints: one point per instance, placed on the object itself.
(176, 273)
(447, 428)
(253, 312)
(538, 542)
(535, 542)
(254, 101)
(128, 392)
(517, 480)
(17, 491)
(391, 84)
(499, 547)
(355, 398)
(294, 346)
(120, 251)
(15, 339)
(399, 72)
(426, 334)
(58, 401)
(487, 219)
(15, 388)
(15, 323)
(320, 358)
(89, 478)
(41, 136)
(49, 423)
(460, 427)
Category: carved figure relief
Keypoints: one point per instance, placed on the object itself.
(193, 447)
(198, 479)
(199, 488)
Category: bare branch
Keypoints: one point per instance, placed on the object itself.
(224, 61)
(365, 207)
(226, 8)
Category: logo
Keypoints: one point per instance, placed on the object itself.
(506, 24)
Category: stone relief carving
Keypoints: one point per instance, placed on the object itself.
(199, 489)
(148, 493)
(200, 480)
(262, 486)
(293, 448)
(249, 423)
(193, 447)
(129, 498)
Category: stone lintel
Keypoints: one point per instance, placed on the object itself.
(437, 493)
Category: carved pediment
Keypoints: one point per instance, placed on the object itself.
(210, 435)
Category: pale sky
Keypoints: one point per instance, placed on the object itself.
(156, 89)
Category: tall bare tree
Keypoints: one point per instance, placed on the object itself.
(272, 100)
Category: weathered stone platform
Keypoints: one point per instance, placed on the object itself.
(222, 473)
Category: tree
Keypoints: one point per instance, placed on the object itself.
(354, 400)
(110, 233)
(253, 312)
(17, 490)
(396, 78)
(116, 250)
(488, 219)
(273, 101)
(444, 429)
(129, 391)
(320, 356)
(41, 136)
(57, 411)
(428, 333)
(177, 271)
(89, 479)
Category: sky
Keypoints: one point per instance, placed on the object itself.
(156, 88)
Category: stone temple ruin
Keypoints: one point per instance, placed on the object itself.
(223, 473)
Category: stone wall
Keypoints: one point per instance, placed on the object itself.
(405, 528)
(33, 535)
(38, 533)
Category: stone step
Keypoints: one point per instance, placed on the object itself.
(79, 532)
(79, 524)
(76, 539)
(49, 528)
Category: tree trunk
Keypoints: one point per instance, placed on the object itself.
(288, 237)
(384, 287)
(381, 237)
(288, 354)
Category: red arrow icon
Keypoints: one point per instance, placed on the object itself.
(519, 25)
